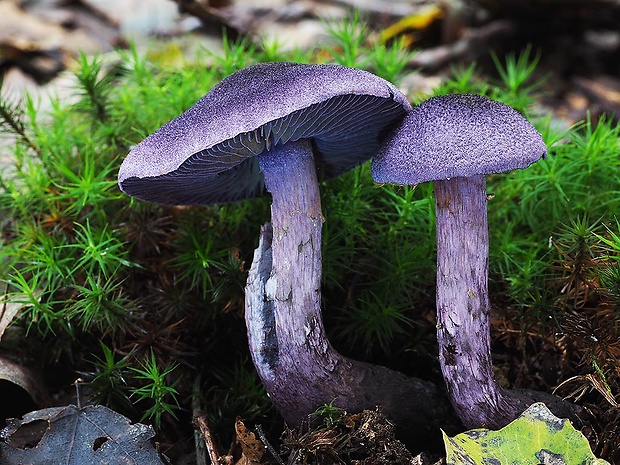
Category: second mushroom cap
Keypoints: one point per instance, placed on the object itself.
(458, 135)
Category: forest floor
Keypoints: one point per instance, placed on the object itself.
(579, 49)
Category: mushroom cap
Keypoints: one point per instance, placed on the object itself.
(457, 135)
(208, 154)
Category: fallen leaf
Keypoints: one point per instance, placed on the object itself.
(40, 47)
(536, 437)
(24, 378)
(8, 312)
(252, 448)
(77, 436)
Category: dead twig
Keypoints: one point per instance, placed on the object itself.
(200, 421)
(587, 383)
(272, 451)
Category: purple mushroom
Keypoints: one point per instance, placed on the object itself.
(273, 126)
(455, 140)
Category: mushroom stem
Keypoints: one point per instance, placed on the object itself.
(464, 314)
(463, 310)
(295, 282)
(298, 366)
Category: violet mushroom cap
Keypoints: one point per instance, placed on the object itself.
(455, 140)
(457, 135)
(208, 154)
(264, 128)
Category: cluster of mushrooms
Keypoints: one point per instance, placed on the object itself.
(272, 127)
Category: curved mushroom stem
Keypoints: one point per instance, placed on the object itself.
(298, 366)
(463, 311)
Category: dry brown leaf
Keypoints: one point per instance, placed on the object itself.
(22, 33)
(8, 312)
(23, 377)
(252, 448)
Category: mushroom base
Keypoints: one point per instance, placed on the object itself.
(299, 379)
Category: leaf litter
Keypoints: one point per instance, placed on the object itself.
(74, 435)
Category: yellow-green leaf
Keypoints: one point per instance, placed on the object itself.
(536, 437)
